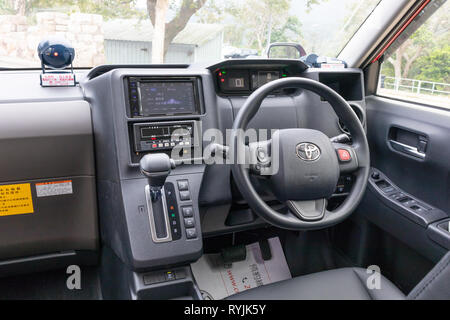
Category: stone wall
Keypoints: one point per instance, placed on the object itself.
(19, 37)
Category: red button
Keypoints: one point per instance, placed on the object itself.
(154, 145)
(344, 155)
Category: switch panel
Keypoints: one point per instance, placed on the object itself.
(404, 203)
(172, 210)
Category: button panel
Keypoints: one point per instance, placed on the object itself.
(164, 276)
(344, 184)
(172, 211)
(187, 211)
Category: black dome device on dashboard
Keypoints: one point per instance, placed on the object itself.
(56, 54)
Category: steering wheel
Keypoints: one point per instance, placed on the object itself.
(302, 166)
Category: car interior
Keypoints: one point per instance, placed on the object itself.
(167, 181)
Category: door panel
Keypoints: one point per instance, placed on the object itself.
(410, 149)
(426, 176)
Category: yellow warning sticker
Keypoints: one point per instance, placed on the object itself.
(15, 199)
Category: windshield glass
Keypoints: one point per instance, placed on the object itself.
(174, 31)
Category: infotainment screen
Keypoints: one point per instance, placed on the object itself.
(163, 98)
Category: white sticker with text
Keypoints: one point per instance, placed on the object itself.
(54, 188)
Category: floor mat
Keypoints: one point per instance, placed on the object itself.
(218, 281)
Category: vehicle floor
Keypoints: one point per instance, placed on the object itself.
(50, 285)
(344, 245)
(305, 252)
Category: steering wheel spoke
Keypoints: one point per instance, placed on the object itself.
(308, 210)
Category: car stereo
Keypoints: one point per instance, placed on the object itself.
(159, 136)
(154, 97)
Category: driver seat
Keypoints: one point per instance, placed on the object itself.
(337, 284)
(350, 284)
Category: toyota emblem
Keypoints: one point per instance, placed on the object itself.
(307, 151)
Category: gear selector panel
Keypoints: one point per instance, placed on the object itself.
(172, 211)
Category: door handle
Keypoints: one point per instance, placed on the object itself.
(407, 149)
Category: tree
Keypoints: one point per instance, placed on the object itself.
(183, 13)
(426, 39)
(434, 66)
(259, 17)
(409, 51)
(255, 23)
(159, 30)
(107, 8)
(288, 32)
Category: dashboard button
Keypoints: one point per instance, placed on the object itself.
(183, 185)
(187, 212)
(344, 155)
(375, 175)
(170, 276)
(189, 222)
(191, 233)
(185, 195)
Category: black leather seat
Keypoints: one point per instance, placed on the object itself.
(345, 284)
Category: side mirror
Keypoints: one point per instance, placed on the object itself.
(285, 50)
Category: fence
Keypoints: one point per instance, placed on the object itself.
(414, 85)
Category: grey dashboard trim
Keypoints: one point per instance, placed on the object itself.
(24, 86)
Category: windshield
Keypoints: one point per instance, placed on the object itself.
(177, 31)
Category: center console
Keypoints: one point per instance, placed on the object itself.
(147, 123)
(151, 98)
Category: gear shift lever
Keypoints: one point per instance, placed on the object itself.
(156, 167)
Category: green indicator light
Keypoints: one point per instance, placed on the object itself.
(224, 72)
(284, 75)
(173, 215)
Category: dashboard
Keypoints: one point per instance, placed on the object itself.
(100, 130)
(244, 80)
(140, 110)
(233, 78)
(155, 103)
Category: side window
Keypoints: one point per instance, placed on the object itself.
(419, 70)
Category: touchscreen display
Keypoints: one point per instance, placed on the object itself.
(167, 98)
